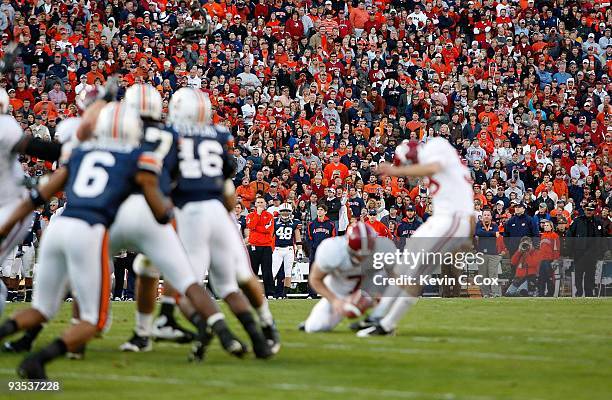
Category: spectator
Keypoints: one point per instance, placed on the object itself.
(586, 248)
(526, 262)
(487, 235)
(518, 226)
(332, 204)
(318, 230)
(550, 250)
(260, 224)
(380, 228)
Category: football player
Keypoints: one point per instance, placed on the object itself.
(66, 133)
(135, 228)
(336, 274)
(204, 225)
(14, 142)
(287, 238)
(450, 226)
(97, 177)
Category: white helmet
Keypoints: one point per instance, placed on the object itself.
(4, 101)
(120, 123)
(145, 99)
(189, 105)
(285, 207)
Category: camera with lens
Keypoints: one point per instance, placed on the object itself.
(525, 246)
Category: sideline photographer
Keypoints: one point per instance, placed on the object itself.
(526, 261)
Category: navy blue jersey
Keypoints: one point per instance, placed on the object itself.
(406, 228)
(34, 230)
(163, 142)
(284, 232)
(203, 151)
(101, 178)
(319, 231)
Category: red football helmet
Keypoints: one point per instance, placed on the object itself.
(360, 238)
(406, 153)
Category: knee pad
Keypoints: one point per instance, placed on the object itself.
(142, 266)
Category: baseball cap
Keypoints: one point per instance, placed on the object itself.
(543, 205)
(410, 208)
(372, 212)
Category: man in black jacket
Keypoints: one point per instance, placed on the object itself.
(332, 202)
(586, 244)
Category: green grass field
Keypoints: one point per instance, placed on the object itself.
(445, 349)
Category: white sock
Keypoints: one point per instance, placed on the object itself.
(388, 298)
(265, 316)
(167, 299)
(382, 307)
(400, 307)
(144, 322)
(214, 318)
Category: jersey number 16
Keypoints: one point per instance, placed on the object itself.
(207, 161)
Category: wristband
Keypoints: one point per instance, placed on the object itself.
(167, 217)
(36, 198)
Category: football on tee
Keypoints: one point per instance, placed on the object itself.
(406, 153)
(357, 303)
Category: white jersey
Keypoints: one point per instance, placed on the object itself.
(66, 135)
(451, 188)
(11, 174)
(66, 130)
(333, 257)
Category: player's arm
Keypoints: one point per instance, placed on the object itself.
(37, 198)
(229, 195)
(428, 169)
(149, 183)
(315, 278)
(298, 238)
(35, 147)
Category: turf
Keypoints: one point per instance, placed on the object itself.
(445, 349)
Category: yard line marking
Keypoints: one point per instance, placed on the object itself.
(524, 330)
(290, 387)
(466, 354)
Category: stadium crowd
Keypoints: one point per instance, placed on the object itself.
(318, 93)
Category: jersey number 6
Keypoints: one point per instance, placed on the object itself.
(92, 178)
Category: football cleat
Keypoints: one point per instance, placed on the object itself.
(233, 346)
(302, 326)
(137, 344)
(170, 330)
(363, 324)
(200, 345)
(273, 337)
(375, 330)
(262, 348)
(32, 368)
(20, 345)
